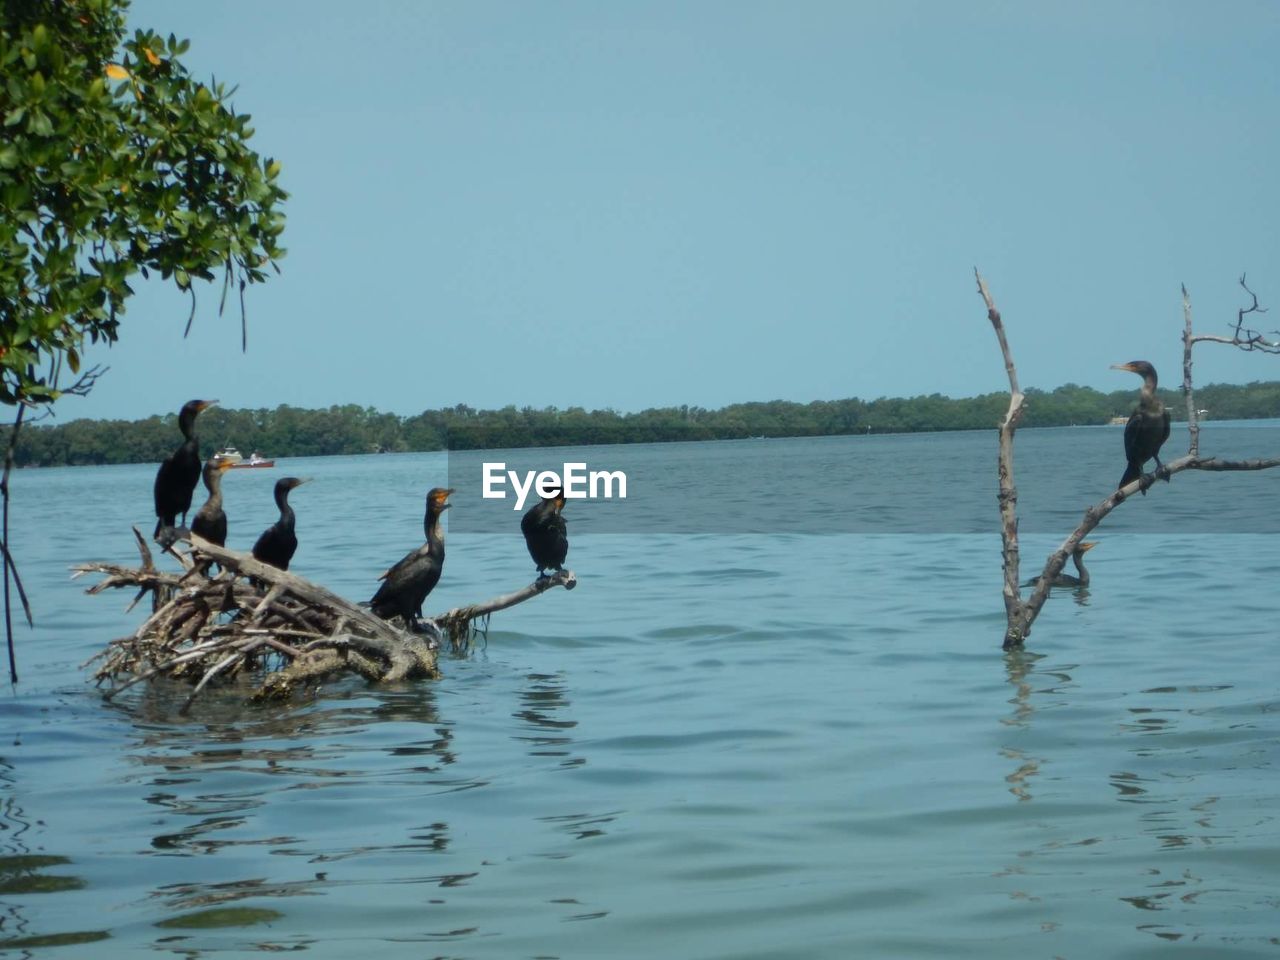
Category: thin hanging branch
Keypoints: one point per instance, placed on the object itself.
(1021, 614)
(10, 569)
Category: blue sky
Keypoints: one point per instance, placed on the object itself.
(644, 204)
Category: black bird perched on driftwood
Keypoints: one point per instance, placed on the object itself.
(1066, 579)
(278, 542)
(1148, 426)
(406, 585)
(545, 532)
(180, 472)
(210, 521)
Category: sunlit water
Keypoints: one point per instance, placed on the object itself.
(719, 746)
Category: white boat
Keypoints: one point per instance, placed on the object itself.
(229, 453)
(255, 461)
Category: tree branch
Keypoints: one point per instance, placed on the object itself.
(1021, 615)
(1008, 491)
(457, 622)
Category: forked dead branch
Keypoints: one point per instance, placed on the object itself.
(210, 628)
(1021, 613)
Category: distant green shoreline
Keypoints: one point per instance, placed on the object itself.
(294, 432)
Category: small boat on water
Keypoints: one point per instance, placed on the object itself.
(254, 461)
(229, 453)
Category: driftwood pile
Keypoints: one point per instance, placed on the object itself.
(247, 619)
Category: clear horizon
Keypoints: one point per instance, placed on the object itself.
(640, 206)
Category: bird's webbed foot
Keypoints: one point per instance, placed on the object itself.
(167, 536)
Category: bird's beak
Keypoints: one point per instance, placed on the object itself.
(1087, 545)
(443, 499)
(204, 405)
(1123, 366)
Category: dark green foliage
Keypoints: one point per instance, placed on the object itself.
(292, 432)
(114, 161)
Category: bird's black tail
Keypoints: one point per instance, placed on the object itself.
(1132, 472)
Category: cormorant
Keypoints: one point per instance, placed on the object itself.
(406, 585)
(278, 542)
(1066, 579)
(1148, 426)
(545, 534)
(210, 522)
(178, 474)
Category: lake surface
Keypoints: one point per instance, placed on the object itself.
(773, 743)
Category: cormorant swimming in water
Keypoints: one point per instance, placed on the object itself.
(406, 585)
(1148, 426)
(1066, 579)
(278, 542)
(210, 521)
(178, 474)
(545, 533)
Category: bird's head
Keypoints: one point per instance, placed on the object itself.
(1084, 546)
(555, 496)
(190, 410)
(285, 484)
(218, 464)
(193, 407)
(1140, 367)
(438, 499)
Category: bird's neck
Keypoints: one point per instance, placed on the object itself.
(434, 531)
(1079, 561)
(213, 483)
(286, 511)
(1147, 399)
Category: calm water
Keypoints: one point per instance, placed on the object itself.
(719, 746)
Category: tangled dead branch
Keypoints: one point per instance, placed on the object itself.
(251, 619)
(1020, 614)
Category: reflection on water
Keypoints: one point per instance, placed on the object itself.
(542, 716)
(720, 746)
(1179, 825)
(26, 873)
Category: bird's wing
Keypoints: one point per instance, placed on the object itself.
(1131, 433)
(402, 568)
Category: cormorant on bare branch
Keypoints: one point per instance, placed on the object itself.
(210, 521)
(1148, 426)
(278, 542)
(545, 533)
(180, 472)
(406, 585)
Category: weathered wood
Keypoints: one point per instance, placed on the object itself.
(1020, 614)
(456, 623)
(252, 616)
(1004, 470)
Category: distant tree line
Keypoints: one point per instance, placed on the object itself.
(292, 432)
